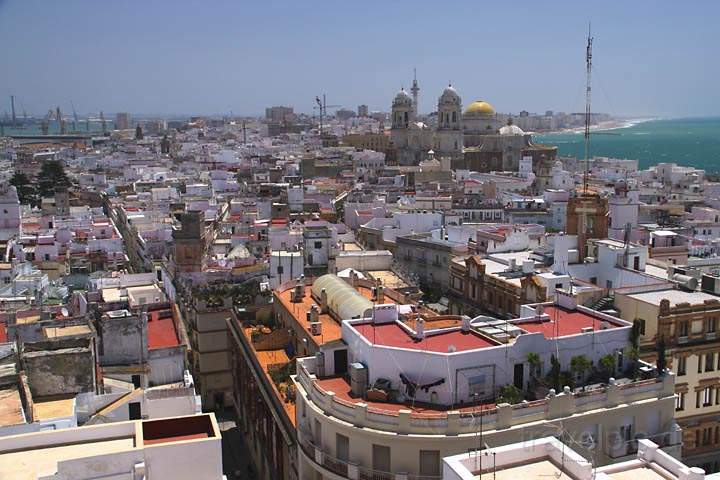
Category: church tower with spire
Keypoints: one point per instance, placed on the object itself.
(415, 91)
(449, 133)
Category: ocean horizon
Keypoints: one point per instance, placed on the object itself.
(689, 141)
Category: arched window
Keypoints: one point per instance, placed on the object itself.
(454, 117)
(406, 118)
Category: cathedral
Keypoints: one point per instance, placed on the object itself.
(475, 138)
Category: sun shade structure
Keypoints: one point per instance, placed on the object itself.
(342, 299)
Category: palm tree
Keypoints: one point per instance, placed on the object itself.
(579, 364)
(533, 360)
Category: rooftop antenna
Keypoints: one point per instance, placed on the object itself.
(588, 65)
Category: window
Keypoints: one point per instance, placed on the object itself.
(680, 402)
(682, 366)
(683, 328)
(711, 325)
(640, 325)
(706, 435)
(707, 396)
(280, 269)
(381, 458)
(318, 244)
(342, 447)
(430, 462)
(709, 362)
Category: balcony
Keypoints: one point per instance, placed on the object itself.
(324, 462)
(452, 422)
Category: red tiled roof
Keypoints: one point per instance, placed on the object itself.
(392, 335)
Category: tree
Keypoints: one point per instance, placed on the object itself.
(579, 364)
(534, 360)
(555, 372)
(607, 364)
(26, 191)
(510, 394)
(52, 177)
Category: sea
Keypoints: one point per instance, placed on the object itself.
(692, 142)
(94, 126)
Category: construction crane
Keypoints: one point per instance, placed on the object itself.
(322, 106)
(45, 122)
(61, 122)
(75, 117)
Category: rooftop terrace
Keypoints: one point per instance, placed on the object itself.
(561, 322)
(392, 335)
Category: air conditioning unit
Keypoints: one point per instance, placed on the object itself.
(316, 328)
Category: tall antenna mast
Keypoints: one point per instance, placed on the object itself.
(588, 65)
(415, 90)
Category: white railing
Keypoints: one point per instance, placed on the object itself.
(453, 422)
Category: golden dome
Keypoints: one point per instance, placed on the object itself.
(479, 108)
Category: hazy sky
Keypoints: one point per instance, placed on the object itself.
(651, 57)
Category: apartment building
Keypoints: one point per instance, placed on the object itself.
(686, 323)
(420, 389)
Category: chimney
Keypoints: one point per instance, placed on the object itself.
(380, 294)
(540, 310)
(313, 314)
(512, 265)
(465, 323)
(323, 301)
(420, 328)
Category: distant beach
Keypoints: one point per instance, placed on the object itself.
(686, 141)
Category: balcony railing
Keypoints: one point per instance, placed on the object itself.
(348, 469)
(454, 422)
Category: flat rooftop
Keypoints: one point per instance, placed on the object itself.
(392, 335)
(645, 472)
(674, 296)
(11, 409)
(34, 463)
(57, 406)
(331, 329)
(563, 322)
(542, 469)
(161, 329)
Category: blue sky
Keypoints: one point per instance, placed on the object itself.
(165, 57)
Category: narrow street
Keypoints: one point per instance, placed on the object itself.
(234, 450)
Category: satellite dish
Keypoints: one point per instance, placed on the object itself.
(64, 312)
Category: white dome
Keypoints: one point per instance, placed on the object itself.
(511, 130)
(403, 96)
(450, 92)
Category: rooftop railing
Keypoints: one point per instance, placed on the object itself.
(455, 422)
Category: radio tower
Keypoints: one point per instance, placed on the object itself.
(415, 90)
(588, 65)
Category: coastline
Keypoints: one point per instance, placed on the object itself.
(602, 126)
